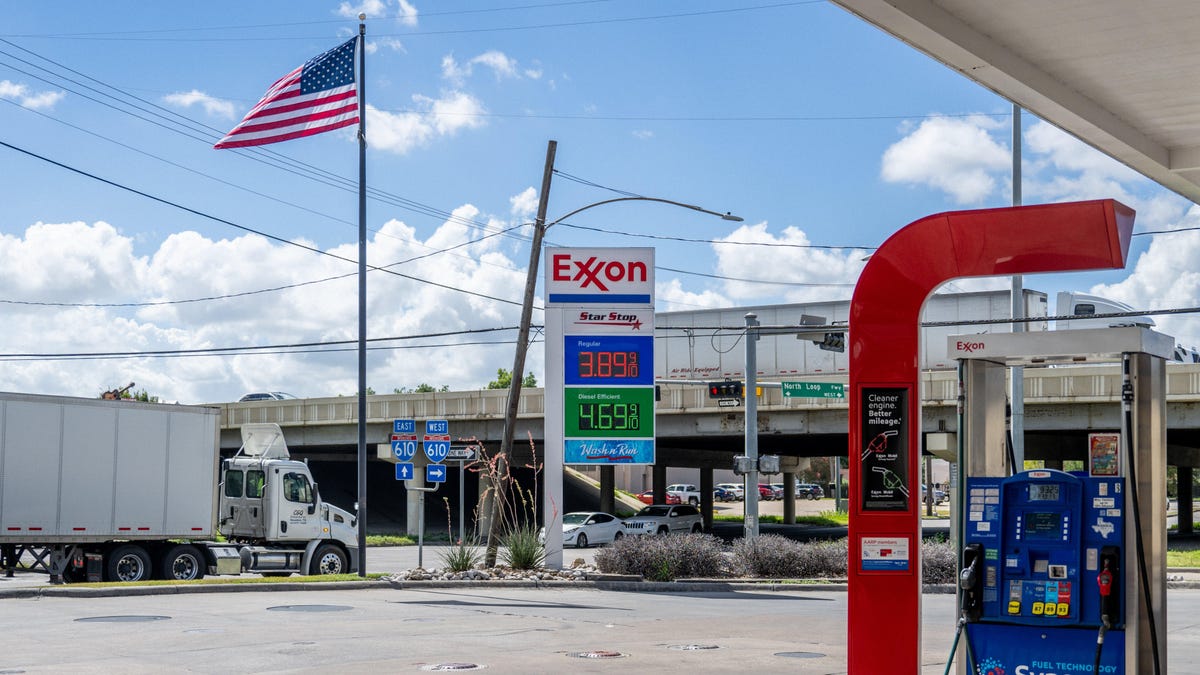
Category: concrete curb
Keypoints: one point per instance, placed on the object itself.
(628, 584)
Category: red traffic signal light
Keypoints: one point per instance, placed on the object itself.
(726, 389)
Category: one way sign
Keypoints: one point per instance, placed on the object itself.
(435, 473)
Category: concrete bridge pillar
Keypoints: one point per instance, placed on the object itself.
(789, 498)
(608, 481)
(1184, 487)
(659, 483)
(706, 497)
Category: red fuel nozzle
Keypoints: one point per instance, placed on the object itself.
(1104, 581)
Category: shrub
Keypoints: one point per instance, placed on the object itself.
(939, 562)
(773, 556)
(461, 557)
(523, 550)
(665, 558)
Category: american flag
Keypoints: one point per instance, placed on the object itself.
(319, 96)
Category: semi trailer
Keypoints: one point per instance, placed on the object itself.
(120, 490)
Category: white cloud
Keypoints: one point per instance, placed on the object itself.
(212, 105)
(374, 9)
(105, 269)
(643, 134)
(446, 116)
(20, 93)
(953, 155)
(408, 14)
(387, 43)
(827, 273)
(1166, 276)
(501, 65)
(524, 205)
(671, 297)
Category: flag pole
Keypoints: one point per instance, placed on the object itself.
(362, 297)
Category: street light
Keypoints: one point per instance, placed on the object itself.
(518, 372)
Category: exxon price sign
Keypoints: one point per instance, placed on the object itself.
(814, 390)
(609, 276)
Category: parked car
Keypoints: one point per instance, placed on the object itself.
(939, 496)
(739, 492)
(647, 497)
(584, 528)
(686, 493)
(664, 519)
(767, 493)
(809, 491)
(266, 396)
(721, 494)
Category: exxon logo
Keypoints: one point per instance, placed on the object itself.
(968, 346)
(596, 272)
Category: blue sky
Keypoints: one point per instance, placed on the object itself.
(818, 129)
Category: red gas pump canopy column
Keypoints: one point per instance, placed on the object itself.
(884, 571)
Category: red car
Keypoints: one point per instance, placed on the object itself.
(647, 497)
(767, 493)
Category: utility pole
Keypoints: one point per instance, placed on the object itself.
(1016, 376)
(751, 499)
(518, 371)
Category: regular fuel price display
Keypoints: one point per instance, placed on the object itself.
(609, 359)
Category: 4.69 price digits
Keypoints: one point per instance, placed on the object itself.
(609, 417)
(608, 364)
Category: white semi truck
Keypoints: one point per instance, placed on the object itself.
(127, 491)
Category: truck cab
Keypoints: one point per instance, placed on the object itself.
(270, 503)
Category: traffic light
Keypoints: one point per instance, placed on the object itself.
(726, 389)
(833, 342)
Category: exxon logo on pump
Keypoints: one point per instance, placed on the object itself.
(611, 276)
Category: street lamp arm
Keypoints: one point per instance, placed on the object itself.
(723, 216)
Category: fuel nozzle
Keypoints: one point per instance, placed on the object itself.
(1104, 580)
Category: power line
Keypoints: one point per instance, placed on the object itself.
(717, 242)
(297, 347)
(260, 26)
(455, 31)
(247, 229)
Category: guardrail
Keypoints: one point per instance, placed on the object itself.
(1056, 385)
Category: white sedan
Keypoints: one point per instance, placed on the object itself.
(584, 528)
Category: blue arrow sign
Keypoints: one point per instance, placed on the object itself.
(404, 471)
(404, 450)
(435, 473)
(404, 426)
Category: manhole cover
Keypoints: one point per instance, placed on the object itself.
(801, 655)
(692, 648)
(310, 608)
(601, 654)
(446, 667)
(128, 618)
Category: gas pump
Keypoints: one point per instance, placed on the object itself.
(1063, 572)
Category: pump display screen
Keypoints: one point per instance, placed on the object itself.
(1043, 492)
(609, 416)
(1043, 524)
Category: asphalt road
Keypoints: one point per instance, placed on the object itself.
(508, 630)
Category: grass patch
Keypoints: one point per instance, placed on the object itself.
(1178, 558)
(390, 540)
(823, 519)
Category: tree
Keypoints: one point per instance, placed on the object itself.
(504, 380)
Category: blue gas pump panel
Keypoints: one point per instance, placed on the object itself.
(1044, 534)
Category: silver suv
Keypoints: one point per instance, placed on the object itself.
(664, 519)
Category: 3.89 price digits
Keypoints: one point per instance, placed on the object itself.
(608, 364)
(609, 417)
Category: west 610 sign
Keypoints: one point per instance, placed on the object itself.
(600, 302)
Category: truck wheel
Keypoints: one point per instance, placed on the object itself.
(182, 563)
(127, 563)
(693, 501)
(696, 529)
(662, 530)
(328, 559)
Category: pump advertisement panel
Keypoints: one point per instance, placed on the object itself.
(885, 453)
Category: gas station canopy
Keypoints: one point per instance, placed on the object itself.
(1116, 74)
